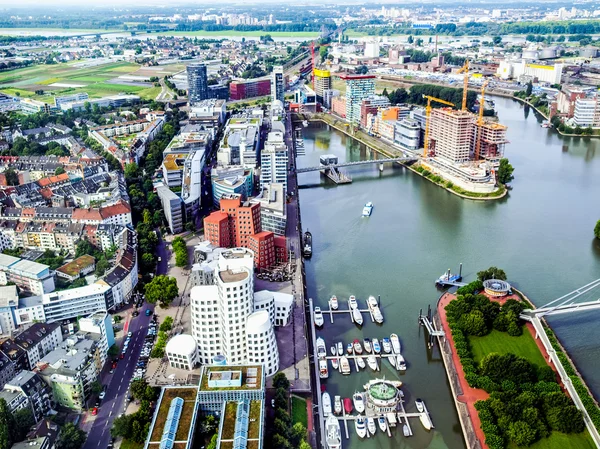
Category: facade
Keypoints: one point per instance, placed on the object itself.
(100, 324)
(322, 82)
(261, 345)
(278, 305)
(37, 341)
(28, 391)
(9, 301)
(273, 208)
(172, 207)
(241, 142)
(73, 270)
(262, 245)
(29, 276)
(371, 105)
(66, 304)
(197, 83)
(451, 134)
(8, 369)
(182, 352)
(358, 87)
(407, 134)
(278, 84)
(587, 113)
(525, 71)
(305, 99)
(231, 180)
(251, 88)
(274, 160)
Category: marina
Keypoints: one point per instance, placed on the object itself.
(373, 310)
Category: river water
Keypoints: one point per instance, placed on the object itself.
(541, 235)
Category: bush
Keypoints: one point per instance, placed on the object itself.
(180, 249)
(167, 324)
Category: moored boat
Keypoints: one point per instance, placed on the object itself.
(326, 402)
(420, 405)
(424, 418)
(337, 405)
(400, 363)
(372, 361)
(345, 365)
(392, 360)
(359, 402)
(382, 423)
(318, 317)
(334, 436)
(387, 346)
(321, 350)
(340, 348)
(335, 364)
(348, 405)
(323, 370)
(307, 249)
(333, 350)
(360, 426)
(352, 304)
(349, 348)
(371, 426)
(376, 346)
(395, 344)
(405, 430)
(360, 362)
(357, 347)
(375, 310)
(357, 316)
(333, 302)
(367, 345)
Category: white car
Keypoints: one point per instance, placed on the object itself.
(129, 334)
(101, 395)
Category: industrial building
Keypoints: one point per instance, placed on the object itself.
(524, 71)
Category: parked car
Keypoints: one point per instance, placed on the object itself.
(95, 411)
(102, 395)
(129, 334)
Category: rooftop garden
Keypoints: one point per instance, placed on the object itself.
(215, 369)
(189, 397)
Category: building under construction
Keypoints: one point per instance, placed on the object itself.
(489, 141)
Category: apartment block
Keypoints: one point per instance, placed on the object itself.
(27, 390)
(273, 208)
(29, 276)
(587, 113)
(358, 87)
(172, 207)
(251, 88)
(274, 160)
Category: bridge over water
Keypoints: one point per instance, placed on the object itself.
(352, 164)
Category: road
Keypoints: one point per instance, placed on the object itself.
(118, 384)
(165, 93)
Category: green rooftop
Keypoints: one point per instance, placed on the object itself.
(251, 377)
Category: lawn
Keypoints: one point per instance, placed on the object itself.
(299, 411)
(558, 440)
(502, 343)
(128, 444)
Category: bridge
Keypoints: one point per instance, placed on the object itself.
(352, 164)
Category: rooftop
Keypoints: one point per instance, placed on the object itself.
(233, 275)
(188, 394)
(75, 267)
(252, 376)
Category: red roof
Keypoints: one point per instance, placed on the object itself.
(86, 215)
(46, 193)
(347, 76)
(44, 182)
(216, 217)
(116, 209)
(261, 236)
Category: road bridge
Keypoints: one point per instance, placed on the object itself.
(352, 164)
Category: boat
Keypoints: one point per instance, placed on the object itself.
(345, 365)
(340, 348)
(359, 402)
(348, 405)
(376, 346)
(352, 304)
(391, 419)
(360, 426)
(321, 350)
(318, 317)
(400, 363)
(395, 343)
(546, 124)
(371, 426)
(357, 347)
(382, 423)
(333, 302)
(367, 345)
(349, 348)
(335, 364)
(334, 436)
(375, 310)
(357, 316)
(361, 362)
(337, 405)
(387, 346)
(368, 209)
(326, 404)
(323, 370)
(307, 249)
(405, 430)
(372, 361)
(333, 350)
(305, 123)
(424, 418)
(420, 405)
(448, 277)
(392, 360)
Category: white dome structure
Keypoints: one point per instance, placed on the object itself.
(260, 342)
(182, 352)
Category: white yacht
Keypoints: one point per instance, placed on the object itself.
(318, 317)
(361, 427)
(375, 310)
(323, 370)
(337, 405)
(400, 363)
(368, 209)
(335, 364)
(333, 350)
(340, 348)
(392, 360)
(321, 350)
(359, 402)
(326, 404)
(395, 344)
(382, 423)
(352, 304)
(420, 405)
(334, 436)
(367, 345)
(357, 316)
(371, 426)
(376, 346)
(387, 346)
(372, 361)
(360, 362)
(345, 365)
(333, 302)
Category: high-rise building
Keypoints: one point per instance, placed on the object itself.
(197, 83)
(451, 133)
(274, 160)
(322, 83)
(278, 84)
(358, 87)
(587, 112)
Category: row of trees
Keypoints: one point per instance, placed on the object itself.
(181, 253)
(24, 147)
(167, 324)
(158, 351)
(284, 434)
(13, 426)
(135, 427)
(415, 95)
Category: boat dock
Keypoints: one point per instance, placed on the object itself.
(368, 311)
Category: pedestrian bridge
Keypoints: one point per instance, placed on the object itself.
(352, 164)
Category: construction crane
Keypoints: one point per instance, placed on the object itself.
(480, 120)
(465, 69)
(427, 114)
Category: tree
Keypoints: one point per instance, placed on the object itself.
(521, 433)
(213, 442)
(280, 442)
(497, 40)
(161, 289)
(297, 434)
(59, 171)
(101, 267)
(24, 420)
(12, 178)
(138, 389)
(491, 273)
(147, 218)
(7, 426)
(281, 428)
(131, 171)
(323, 53)
(529, 89)
(84, 247)
(597, 230)
(281, 399)
(474, 323)
(410, 39)
(96, 387)
(167, 324)
(280, 380)
(113, 351)
(505, 171)
(71, 437)
(121, 426)
(208, 425)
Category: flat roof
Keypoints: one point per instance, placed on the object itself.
(188, 394)
(233, 276)
(252, 372)
(356, 77)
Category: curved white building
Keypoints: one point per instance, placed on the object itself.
(261, 345)
(206, 328)
(182, 352)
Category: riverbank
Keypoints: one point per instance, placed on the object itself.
(378, 146)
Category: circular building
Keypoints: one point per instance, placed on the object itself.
(383, 395)
(261, 345)
(182, 352)
(496, 287)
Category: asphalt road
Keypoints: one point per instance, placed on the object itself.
(114, 402)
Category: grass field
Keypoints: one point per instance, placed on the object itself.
(503, 343)
(299, 411)
(558, 440)
(95, 80)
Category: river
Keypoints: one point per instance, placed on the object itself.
(541, 234)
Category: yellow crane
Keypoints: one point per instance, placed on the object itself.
(465, 69)
(480, 120)
(427, 114)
